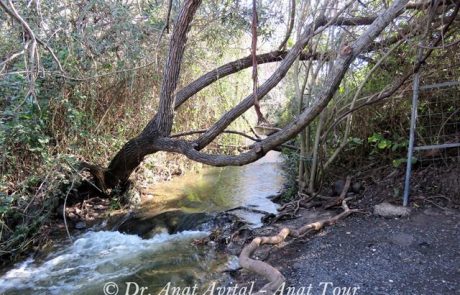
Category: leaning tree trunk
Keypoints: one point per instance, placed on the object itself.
(134, 151)
(156, 135)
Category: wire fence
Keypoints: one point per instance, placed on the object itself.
(438, 123)
(436, 128)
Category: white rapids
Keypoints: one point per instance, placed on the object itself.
(93, 259)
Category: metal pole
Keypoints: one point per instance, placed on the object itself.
(410, 149)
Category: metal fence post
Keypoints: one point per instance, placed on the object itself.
(410, 149)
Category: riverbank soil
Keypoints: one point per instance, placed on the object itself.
(369, 254)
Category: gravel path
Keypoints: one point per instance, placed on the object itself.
(373, 255)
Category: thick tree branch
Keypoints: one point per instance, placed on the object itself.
(243, 63)
(231, 68)
(162, 122)
(276, 56)
(330, 87)
(310, 31)
(133, 152)
(246, 62)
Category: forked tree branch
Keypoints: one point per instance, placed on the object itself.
(292, 129)
(311, 30)
(156, 135)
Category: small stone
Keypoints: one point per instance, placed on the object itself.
(80, 225)
(388, 210)
(356, 187)
(338, 187)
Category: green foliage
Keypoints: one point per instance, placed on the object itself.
(115, 204)
(290, 170)
(379, 141)
(398, 162)
(383, 143)
(392, 147)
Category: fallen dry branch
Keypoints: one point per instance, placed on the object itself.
(274, 276)
(316, 226)
(244, 208)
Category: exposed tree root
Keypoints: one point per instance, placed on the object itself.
(274, 276)
(264, 269)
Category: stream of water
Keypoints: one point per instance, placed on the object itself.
(102, 262)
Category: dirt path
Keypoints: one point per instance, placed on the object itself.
(415, 255)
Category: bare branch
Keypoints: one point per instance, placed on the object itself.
(12, 57)
(34, 55)
(290, 26)
(187, 133)
(166, 26)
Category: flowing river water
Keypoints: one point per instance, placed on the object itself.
(102, 262)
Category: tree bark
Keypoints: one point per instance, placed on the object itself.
(134, 151)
